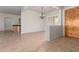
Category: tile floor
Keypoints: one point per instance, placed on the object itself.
(61, 45)
(15, 42)
(36, 42)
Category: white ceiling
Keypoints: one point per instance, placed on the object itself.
(45, 8)
(17, 9)
(11, 9)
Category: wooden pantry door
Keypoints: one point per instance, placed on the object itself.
(72, 22)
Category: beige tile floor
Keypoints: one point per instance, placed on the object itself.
(61, 45)
(14, 42)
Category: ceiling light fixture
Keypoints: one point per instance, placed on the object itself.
(42, 16)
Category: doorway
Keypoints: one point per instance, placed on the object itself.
(12, 24)
(7, 24)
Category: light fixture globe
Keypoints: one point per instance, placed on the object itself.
(42, 16)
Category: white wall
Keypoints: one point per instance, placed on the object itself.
(31, 21)
(10, 19)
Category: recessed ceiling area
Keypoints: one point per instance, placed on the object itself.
(46, 9)
(11, 9)
(17, 9)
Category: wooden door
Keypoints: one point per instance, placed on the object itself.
(72, 22)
